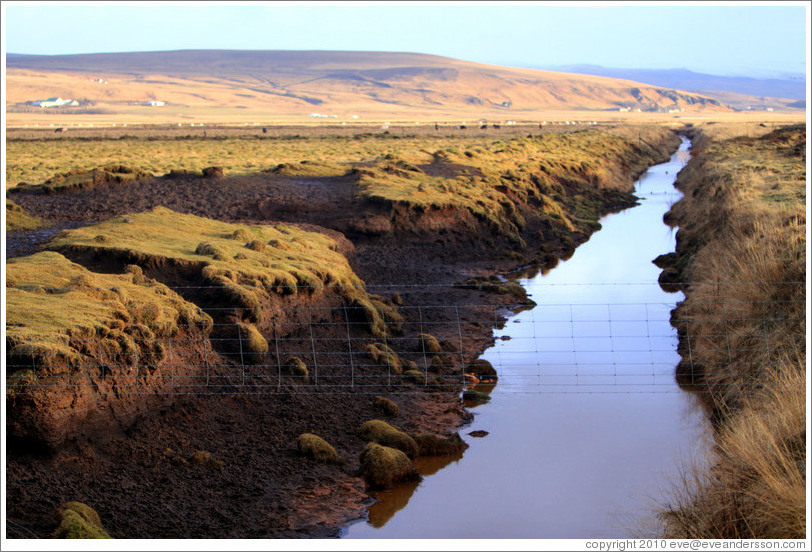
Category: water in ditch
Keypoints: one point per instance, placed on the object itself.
(587, 427)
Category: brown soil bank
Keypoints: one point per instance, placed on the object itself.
(211, 451)
(741, 249)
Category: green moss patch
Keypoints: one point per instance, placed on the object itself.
(383, 467)
(317, 449)
(385, 406)
(384, 434)
(385, 357)
(79, 521)
(428, 344)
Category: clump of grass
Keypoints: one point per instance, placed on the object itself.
(415, 376)
(18, 219)
(256, 245)
(211, 250)
(296, 368)
(385, 406)
(201, 457)
(253, 341)
(79, 521)
(384, 434)
(384, 356)
(317, 449)
(382, 466)
(429, 344)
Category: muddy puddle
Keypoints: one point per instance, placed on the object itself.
(587, 428)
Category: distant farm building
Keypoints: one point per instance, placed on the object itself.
(156, 103)
(54, 102)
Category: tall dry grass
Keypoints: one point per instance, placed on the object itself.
(742, 328)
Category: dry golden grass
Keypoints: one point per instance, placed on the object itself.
(744, 321)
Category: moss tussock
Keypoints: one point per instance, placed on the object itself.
(79, 521)
(385, 406)
(317, 449)
(384, 434)
(383, 356)
(383, 467)
(296, 368)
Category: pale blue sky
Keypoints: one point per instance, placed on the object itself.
(722, 39)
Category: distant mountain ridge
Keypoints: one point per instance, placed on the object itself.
(340, 82)
(684, 79)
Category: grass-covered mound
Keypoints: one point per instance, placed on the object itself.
(79, 521)
(317, 449)
(60, 316)
(382, 467)
(18, 219)
(77, 179)
(382, 433)
(248, 266)
(76, 338)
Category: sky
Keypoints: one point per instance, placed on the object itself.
(728, 38)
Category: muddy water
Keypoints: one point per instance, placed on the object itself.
(587, 428)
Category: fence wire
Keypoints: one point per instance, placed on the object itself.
(588, 347)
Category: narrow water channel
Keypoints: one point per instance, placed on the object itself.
(587, 427)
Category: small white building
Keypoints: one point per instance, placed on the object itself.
(156, 103)
(54, 102)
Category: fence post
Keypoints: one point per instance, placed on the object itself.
(349, 347)
(242, 360)
(313, 348)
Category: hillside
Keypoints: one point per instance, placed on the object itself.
(737, 92)
(341, 84)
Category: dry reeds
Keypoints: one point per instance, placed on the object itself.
(742, 329)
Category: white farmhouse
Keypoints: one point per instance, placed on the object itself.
(53, 102)
(156, 103)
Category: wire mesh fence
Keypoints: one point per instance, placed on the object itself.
(614, 346)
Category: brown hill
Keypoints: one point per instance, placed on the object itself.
(298, 83)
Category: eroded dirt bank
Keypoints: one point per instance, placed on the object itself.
(143, 480)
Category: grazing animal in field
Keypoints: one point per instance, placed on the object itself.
(436, 126)
(497, 126)
(61, 129)
(484, 126)
(463, 127)
(264, 131)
